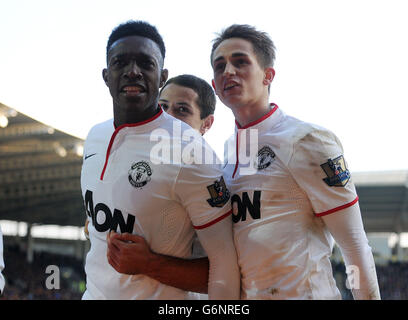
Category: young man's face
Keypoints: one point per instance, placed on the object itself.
(181, 103)
(238, 76)
(134, 74)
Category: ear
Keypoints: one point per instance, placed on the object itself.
(269, 75)
(105, 75)
(213, 85)
(163, 77)
(206, 124)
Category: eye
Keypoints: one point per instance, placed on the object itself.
(117, 62)
(148, 64)
(164, 106)
(219, 67)
(183, 111)
(240, 62)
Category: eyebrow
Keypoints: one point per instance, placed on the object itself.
(142, 55)
(178, 102)
(183, 103)
(116, 57)
(234, 55)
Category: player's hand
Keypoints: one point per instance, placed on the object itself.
(128, 253)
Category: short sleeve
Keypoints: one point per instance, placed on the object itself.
(202, 191)
(319, 167)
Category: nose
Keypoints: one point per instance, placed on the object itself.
(133, 72)
(229, 69)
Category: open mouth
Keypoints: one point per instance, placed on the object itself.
(133, 90)
(230, 86)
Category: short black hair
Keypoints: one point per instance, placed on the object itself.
(206, 97)
(263, 45)
(136, 28)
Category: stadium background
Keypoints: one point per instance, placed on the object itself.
(42, 214)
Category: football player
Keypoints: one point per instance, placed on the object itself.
(288, 209)
(165, 204)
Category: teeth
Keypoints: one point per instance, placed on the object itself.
(230, 86)
(134, 89)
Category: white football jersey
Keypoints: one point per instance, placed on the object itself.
(294, 174)
(2, 282)
(136, 179)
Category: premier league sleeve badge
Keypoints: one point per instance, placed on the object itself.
(219, 193)
(337, 173)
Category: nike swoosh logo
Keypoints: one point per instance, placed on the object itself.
(89, 155)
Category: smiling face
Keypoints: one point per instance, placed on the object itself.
(134, 76)
(239, 80)
(182, 103)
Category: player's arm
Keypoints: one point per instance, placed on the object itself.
(347, 229)
(131, 254)
(219, 274)
(202, 191)
(224, 274)
(325, 178)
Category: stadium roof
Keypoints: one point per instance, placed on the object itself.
(39, 172)
(40, 179)
(383, 200)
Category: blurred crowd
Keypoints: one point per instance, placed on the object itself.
(392, 280)
(27, 281)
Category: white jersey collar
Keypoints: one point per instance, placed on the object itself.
(144, 125)
(268, 121)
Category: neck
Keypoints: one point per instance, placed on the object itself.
(251, 112)
(122, 116)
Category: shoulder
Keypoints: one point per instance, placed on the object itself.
(194, 144)
(313, 143)
(294, 130)
(101, 130)
(98, 136)
(185, 147)
(294, 135)
(178, 130)
(314, 136)
(197, 156)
